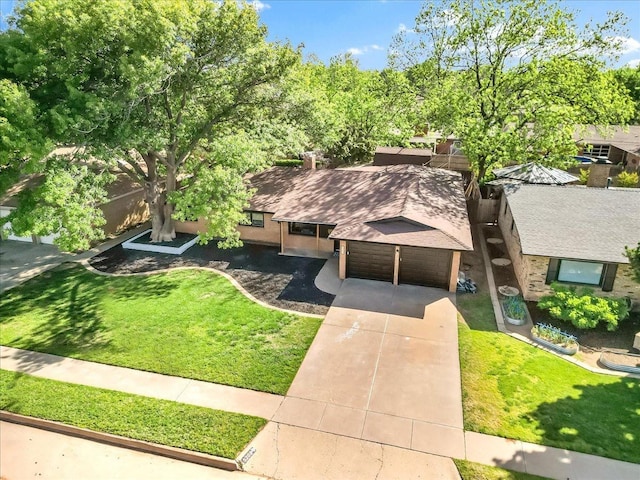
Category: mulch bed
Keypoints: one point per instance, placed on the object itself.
(281, 281)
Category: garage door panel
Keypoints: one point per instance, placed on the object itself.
(425, 266)
(370, 260)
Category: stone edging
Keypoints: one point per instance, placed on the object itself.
(118, 441)
(497, 310)
(234, 282)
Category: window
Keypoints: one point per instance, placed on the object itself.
(325, 230)
(572, 271)
(586, 273)
(599, 151)
(255, 219)
(297, 228)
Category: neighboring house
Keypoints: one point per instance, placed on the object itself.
(616, 143)
(571, 234)
(124, 208)
(400, 224)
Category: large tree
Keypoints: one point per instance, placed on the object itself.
(511, 78)
(167, 92)
(361, 109)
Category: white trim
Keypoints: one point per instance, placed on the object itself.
(130, 245)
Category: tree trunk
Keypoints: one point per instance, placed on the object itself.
(168, 230)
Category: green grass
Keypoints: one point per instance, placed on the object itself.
(188, 323)
(179, 425)
(515, 390)
(476, 471)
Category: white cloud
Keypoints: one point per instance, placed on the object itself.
(626, 44)
(630, 45)
(259, 6)
(633, 63)
(402, 28)
(363, 50)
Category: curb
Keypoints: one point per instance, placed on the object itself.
(118, 441)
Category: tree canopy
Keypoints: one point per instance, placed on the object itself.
(166, 92)
(511, 79)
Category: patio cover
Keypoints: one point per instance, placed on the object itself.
(534, 173)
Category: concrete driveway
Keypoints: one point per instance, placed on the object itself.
(383, 367)
(19, 261)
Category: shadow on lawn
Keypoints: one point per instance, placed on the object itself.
(71, 298)
(604, 421)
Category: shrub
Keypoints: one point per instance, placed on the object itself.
(582, 308)
(627, 179)
(633, 254)
(584, 176)
(515, 308)
(288, 162)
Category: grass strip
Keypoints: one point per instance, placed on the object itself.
(476, 471)
(514, 390)
(164, 422)
(187, 323)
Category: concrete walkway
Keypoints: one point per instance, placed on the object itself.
(155, 385)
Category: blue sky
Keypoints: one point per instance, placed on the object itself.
(366, 27)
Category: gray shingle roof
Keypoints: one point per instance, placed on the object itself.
(576, 222)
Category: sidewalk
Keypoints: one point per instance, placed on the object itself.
(155, 385)
(511, 454)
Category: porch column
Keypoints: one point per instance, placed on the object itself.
(342, 260)
(282, 235)
(396, 265)
(455, 266)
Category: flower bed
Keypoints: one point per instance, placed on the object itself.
(554, 338)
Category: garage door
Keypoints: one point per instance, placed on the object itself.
(425, 266)
(370, 260)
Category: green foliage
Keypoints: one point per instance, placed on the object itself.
(22, 144)
(582, 308)
(133, 416)
(628, 179)
(288, 162)
(514, 307)
(361, 109)
(584, 176)
(630, 79)
(149, 86)
(64, 201)
(511, 79)
(633, 254)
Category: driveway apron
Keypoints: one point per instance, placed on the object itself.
(383, 367)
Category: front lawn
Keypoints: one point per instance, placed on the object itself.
(174, 424)
(475, 471)
(188, 323)
(514, 390)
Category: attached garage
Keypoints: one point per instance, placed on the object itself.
(373, 261)
(425, 266)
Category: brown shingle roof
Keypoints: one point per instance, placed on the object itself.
(626, 138)
(402, 205)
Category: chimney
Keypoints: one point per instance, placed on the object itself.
(309, 160)
(599, 175)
